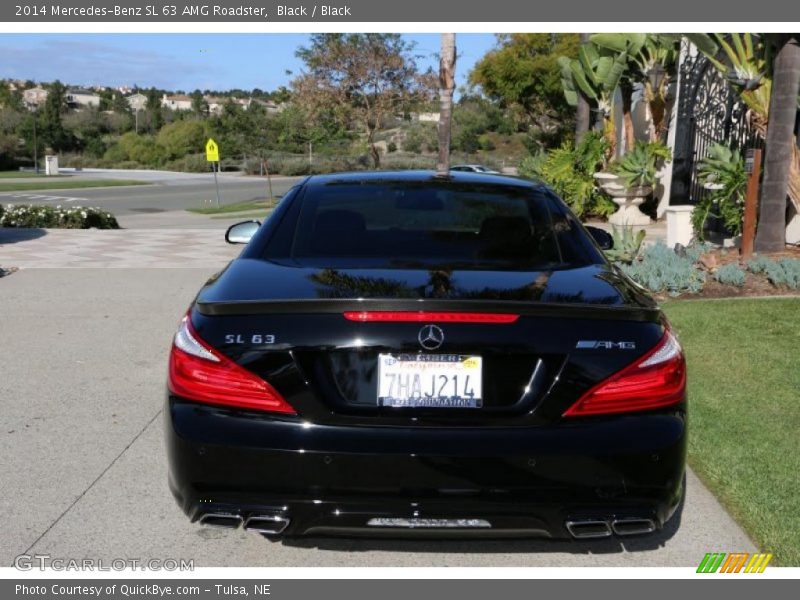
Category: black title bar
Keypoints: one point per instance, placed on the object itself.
(444, 11)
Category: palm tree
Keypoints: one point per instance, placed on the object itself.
(781, 150)
(447, 83)
(582, 110)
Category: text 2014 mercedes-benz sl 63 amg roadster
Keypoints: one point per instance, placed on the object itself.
(412, 354)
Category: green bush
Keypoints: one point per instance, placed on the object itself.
(570, 170)
(49, 217)
(784, 272)
(660, 269)
(730, 274)
(758, 264)
(723, 167)
(182, 138)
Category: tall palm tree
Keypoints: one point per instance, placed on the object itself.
(447, 84)
(781, 149)
(582, 110)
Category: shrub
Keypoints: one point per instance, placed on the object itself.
(661, 269)
(758, 264)
(569, 170)
(723, 167)
(696, 250)
(74, 217)
(730, 274)
(182, 137)
(784, 272)
(391, 147)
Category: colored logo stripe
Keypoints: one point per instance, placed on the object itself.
(733, 563)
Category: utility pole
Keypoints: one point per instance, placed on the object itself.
(35, 142)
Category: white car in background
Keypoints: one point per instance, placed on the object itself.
(475, 169)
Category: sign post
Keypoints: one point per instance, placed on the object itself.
(212, 156)
(752, 165)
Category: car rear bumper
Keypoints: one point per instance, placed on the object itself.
(292, 478)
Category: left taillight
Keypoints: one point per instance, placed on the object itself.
(198, 372)
(656, 380)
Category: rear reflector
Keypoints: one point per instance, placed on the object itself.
(198, 372)
(656, 380)
(379, 316)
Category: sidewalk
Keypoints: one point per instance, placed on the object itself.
(115, 248)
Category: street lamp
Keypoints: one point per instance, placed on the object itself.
(656, 76)
(35, 110)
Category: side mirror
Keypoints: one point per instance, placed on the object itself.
(602, 237)
(241, 233)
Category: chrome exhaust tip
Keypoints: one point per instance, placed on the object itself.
(633, 526)
(584, 529)
(266, 524)
(226, 520)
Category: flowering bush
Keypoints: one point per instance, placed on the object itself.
(73, 217)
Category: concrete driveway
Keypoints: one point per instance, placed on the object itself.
(84, 353)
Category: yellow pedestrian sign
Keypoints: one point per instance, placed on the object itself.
(212, 151)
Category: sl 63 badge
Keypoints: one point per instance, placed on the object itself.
(255, 338)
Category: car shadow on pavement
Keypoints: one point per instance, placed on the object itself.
(13, 235)
(611, 545)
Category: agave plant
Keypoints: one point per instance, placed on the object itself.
(639, 167)
(627, 244)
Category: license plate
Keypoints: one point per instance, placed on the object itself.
(430, 381)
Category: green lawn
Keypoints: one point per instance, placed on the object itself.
(24, 174)
(62, 184)
(251, 206)
(744, 401)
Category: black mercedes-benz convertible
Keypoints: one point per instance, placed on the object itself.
(413, 354)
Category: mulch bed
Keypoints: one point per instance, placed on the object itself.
(754, 285)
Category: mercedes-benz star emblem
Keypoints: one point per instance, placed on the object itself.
(431, 337)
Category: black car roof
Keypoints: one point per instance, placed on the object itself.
(421, 176)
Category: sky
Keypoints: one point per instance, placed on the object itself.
(188, 61)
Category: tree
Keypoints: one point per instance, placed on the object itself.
(153, 109)
(106, 99)
(583, 116)
(447, 83)
(51, 126)
(781, 150)
(360, 77)
(522, 71)
(120, 104)
(199, 104)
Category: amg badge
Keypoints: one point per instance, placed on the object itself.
(604, 345)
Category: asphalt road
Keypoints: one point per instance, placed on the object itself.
(84, 473)
(167, 191)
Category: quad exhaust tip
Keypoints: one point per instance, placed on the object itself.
(585, 529)
(226, 520)
(633, 526)
(600, 528)
(266, 524)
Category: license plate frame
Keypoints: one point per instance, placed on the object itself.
(435, 381)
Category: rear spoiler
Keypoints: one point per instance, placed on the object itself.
(341, 305)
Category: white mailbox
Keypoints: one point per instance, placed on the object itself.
(51, 164)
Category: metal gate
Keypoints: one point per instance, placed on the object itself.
(709, 111)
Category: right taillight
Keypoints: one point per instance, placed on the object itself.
(199, 372)
(656, 380)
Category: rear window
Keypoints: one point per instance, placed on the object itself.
(425, 225)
